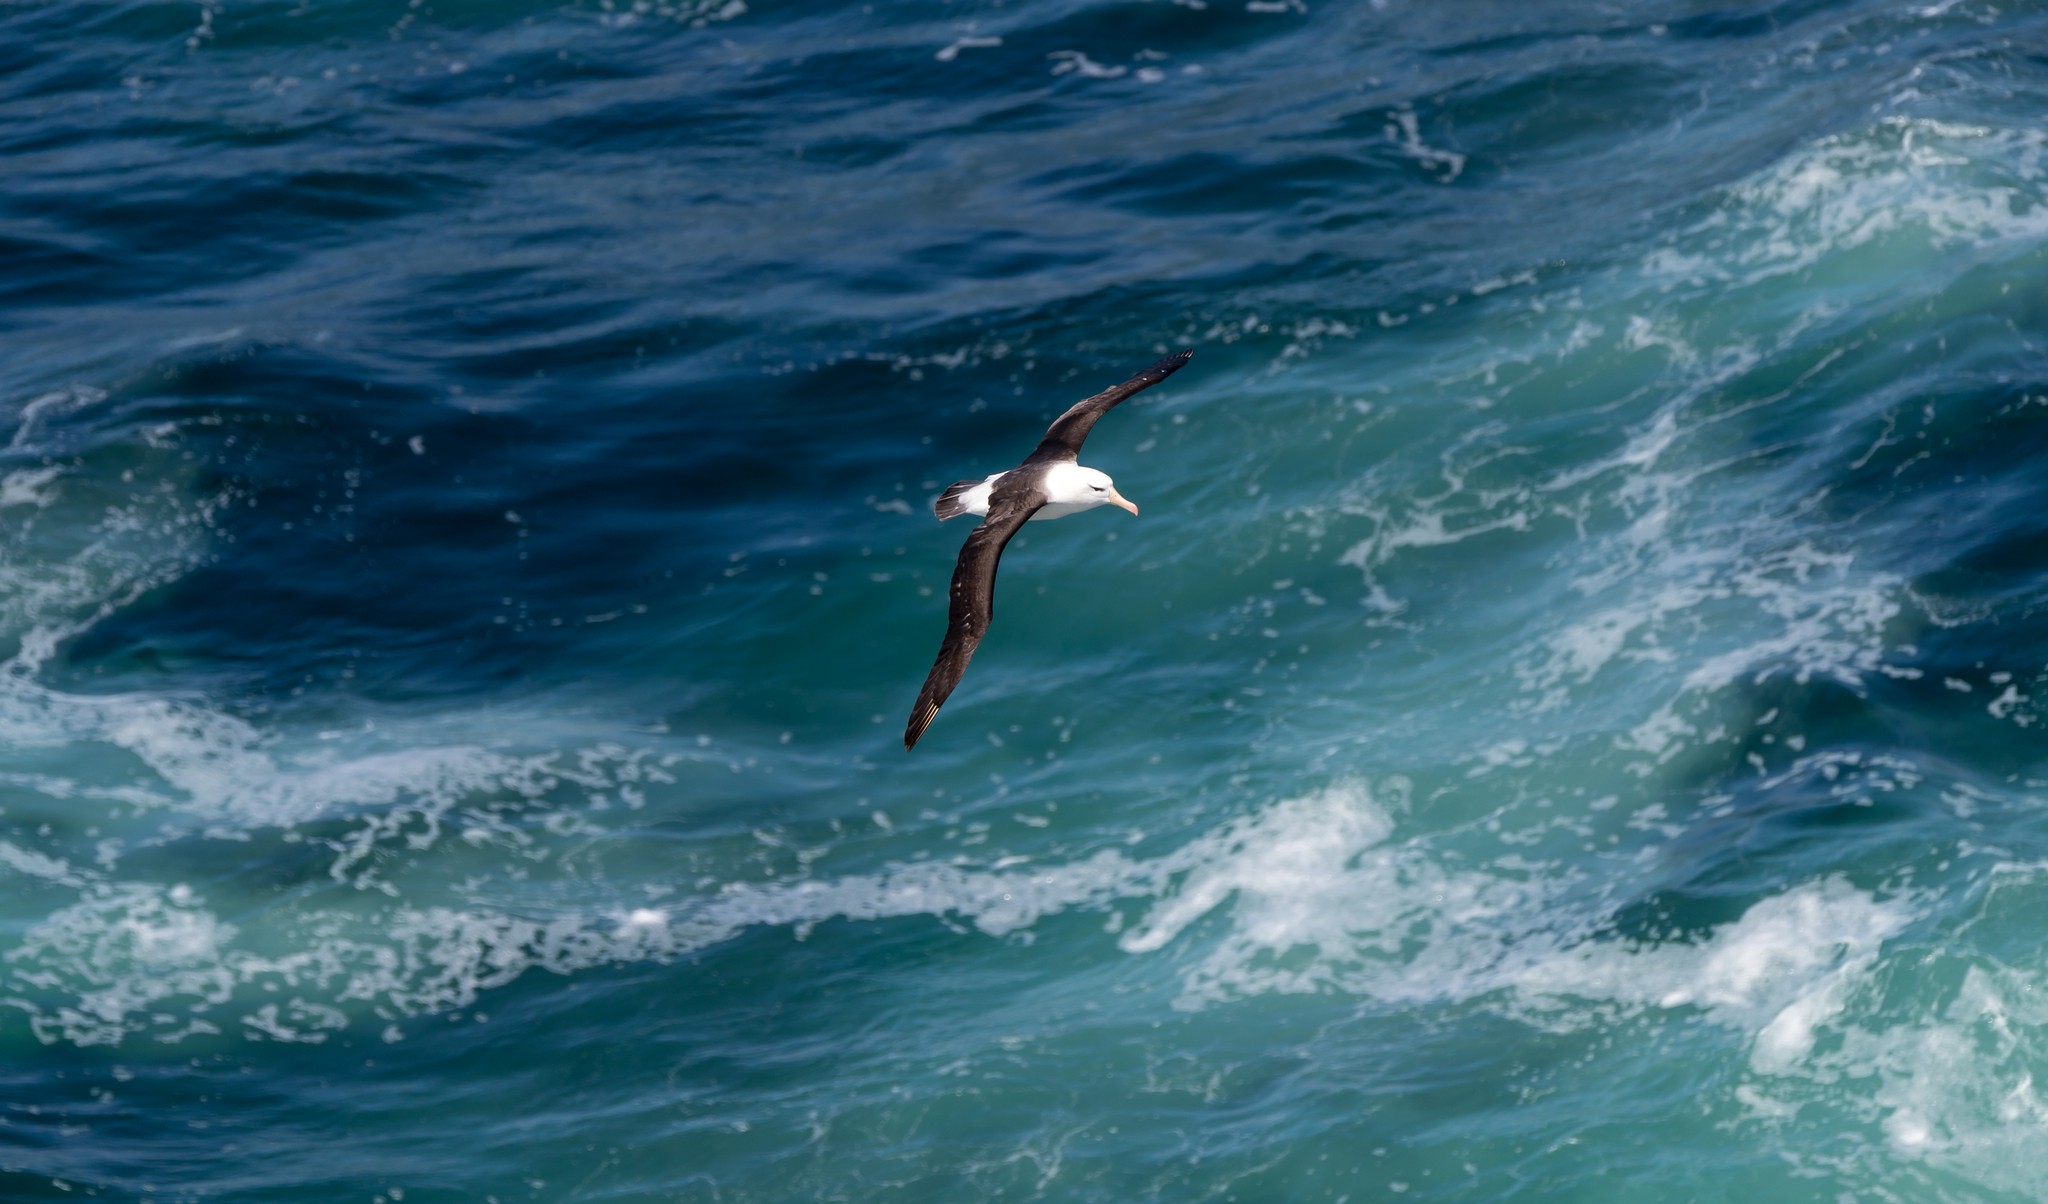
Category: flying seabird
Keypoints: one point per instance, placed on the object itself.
(1050, 483)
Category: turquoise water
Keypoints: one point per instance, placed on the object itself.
(1565, 725)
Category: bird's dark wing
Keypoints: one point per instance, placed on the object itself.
(1063, 440)
(973, 601)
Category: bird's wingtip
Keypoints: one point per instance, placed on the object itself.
(1174, 362)
(918, 723)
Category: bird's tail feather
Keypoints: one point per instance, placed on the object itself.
(949, 504)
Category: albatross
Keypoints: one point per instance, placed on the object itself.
(1050, 483)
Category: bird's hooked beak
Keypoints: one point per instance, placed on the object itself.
(1118, 499)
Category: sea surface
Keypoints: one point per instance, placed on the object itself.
(1570, 723)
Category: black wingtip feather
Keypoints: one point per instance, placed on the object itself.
(919, 721)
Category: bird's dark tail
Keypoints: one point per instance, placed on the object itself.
(949, 504)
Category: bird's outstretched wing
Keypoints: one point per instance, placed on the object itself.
(1063, 440)
(973, 603)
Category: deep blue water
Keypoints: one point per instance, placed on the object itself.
(1565, 725)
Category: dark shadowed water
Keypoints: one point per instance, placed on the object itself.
(1564, 727)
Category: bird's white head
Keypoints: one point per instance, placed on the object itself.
(1072, 487)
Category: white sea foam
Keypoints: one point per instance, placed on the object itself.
(29, 487)
(128, 956)
(1315, 894)
(33, 420)
(1696, 570)
(1942, 183)
(951, 50)
(1311, 894)
(218, 772)
(1953, 1085)
(1776, 973)
(148, 959)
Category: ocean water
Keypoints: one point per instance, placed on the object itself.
(1567, 724)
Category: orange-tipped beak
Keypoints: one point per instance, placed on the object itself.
(1118, 499)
